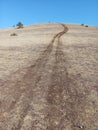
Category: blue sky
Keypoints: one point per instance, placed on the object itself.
(36, 11)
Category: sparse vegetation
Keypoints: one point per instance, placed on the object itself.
(13, 34)
(82, 24)
(48, 79)
(86, 25)
(19, 25)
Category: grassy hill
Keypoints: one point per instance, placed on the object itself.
(49, 77)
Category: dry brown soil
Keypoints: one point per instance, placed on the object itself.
(52, 85)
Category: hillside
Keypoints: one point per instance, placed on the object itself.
(49, 77)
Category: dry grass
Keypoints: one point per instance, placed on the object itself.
(47, 81)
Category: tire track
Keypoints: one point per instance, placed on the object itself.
(56, 88)
(65, 102)
(21, 106)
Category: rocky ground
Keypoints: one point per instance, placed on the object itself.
(49, 77)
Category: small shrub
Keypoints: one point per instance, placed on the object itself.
(86, 25)
(82, 24)
(19, 25)
(13, 34)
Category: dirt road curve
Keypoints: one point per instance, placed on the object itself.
(46, 97)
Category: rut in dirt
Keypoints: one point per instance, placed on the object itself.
(65, 101)
(24, 97)
(57, 87)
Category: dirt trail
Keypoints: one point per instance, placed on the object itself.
(18, 109)
(54, 92)
(66, 102)
(47, 97)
